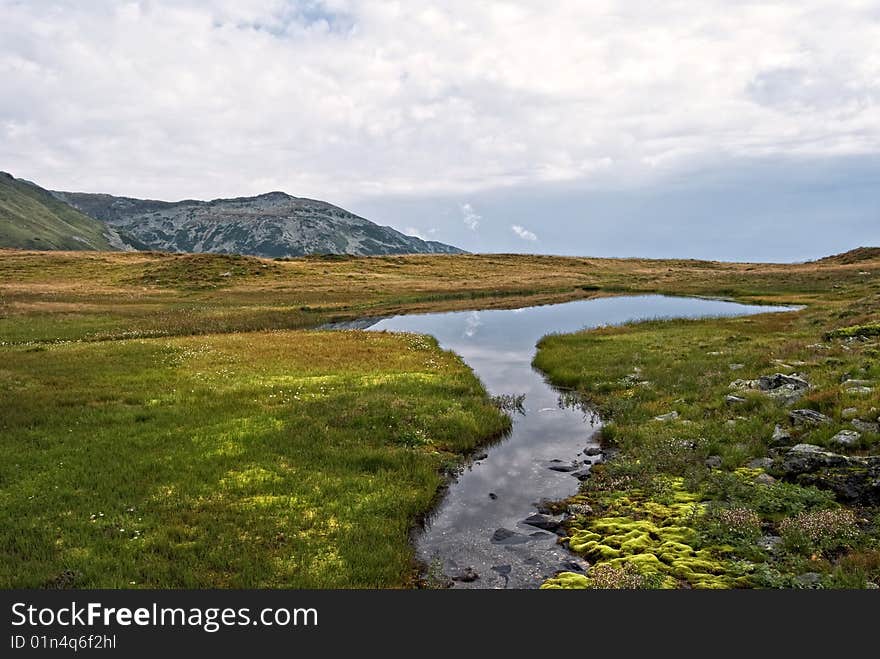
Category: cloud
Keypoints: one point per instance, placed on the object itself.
(523, 233)
(346, 99)
(418, 233)
(471, 218)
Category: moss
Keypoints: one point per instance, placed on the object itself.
(566, 581)
(655, 538)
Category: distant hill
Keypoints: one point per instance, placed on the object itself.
(269, 225)
(32, 218)
(853, 256)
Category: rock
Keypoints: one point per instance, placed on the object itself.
(785, 388)
(580, 509)
(808, 580)
(735, 367)
(849, 413)
(808, 417)
(854, 480)
(734, 400)
(671, 416)
(592, 450)
(503, 570)
(573, 566)
(546, 522)
(865, 426)
(481, 456)
(564, 467)
(493, 496)
(508, 537)
(764, 479)
(582, 474)
(805, 458)
(770, 543)
(778, 380)
(857, 383)
(539, 534)
(467, 575)
(713, 461)
(846, 438)
(780, 437)
(743, 384)
(730, 422)
(761, 463)
(860, 390)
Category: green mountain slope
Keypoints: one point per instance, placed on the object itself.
(31, 218)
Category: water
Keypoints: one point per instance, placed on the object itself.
(502, 489)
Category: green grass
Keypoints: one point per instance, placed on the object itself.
(285, 459)
(31, 218)
(637, 372)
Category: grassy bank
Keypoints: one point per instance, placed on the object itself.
(284, 459)
(687, 501)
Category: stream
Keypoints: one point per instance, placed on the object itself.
(478, 528)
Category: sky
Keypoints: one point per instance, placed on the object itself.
(718, 129)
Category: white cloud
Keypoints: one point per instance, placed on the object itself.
(348, 99)
(523, 233)
(418, 233)
(471, 217)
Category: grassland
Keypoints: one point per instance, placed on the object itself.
(169, 420)
(270, 459)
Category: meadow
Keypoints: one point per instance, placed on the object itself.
(175, 420)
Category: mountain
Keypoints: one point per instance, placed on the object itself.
(32, 218)
(271, 225)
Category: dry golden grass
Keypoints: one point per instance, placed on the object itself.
(66, 295)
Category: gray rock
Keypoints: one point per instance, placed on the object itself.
(860, 390)
(564, 467)
(846, 438)
(770, 543)
(865, 426)
(852, 479)
(466, 575)
(582, 474)
(805, 458)
(592, 450)
(808, 417)
(735, 367)
(574, 566)
(734, 400)
(743, 384)
(858, 383)
(780, 437)
(671, 416)
(713, 461)
(546, 522)
(778, 380)
(760, 463)
(849, 413)
(580, 509)
(481, 456)
(808, 580)
(764, 479)
(508, 537)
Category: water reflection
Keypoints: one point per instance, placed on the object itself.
(551, 430)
